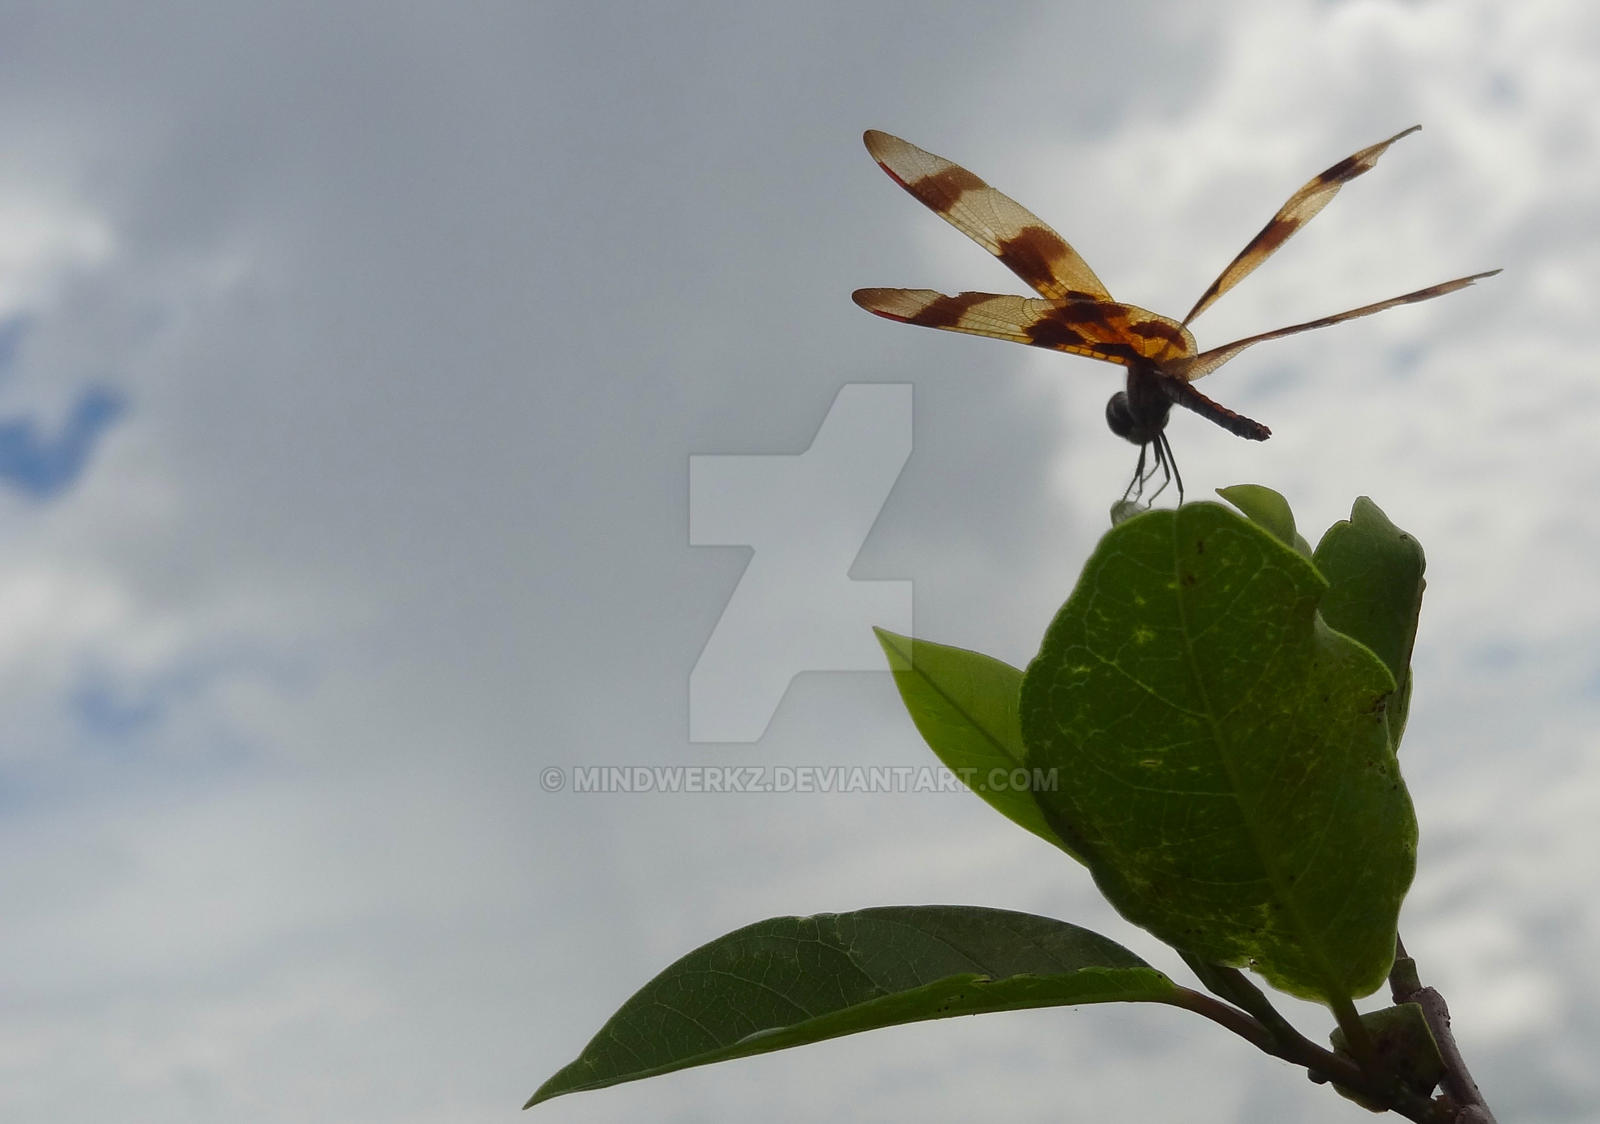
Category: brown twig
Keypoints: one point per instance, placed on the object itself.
(1321, 1065)
(1406, 987)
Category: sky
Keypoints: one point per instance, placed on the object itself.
(352, 363)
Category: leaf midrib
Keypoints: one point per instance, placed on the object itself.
(1225, 752)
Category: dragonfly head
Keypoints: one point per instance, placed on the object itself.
(1140, 426)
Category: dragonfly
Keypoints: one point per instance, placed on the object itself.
(1075, 313)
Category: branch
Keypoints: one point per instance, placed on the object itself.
(1406, 987)
(1236, 987)
(1321, 1065)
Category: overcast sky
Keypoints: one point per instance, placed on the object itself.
(351, 362)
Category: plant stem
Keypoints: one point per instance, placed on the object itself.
(1356, 1036)
(1236, 987)
(1406, 987)
(1320, 1064)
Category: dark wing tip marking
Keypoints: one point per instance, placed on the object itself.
(1301, 208)
(1352, 166)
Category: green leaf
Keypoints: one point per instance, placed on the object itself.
(1225, 768)
(1268, 510)
(789, 981)
(965, 706)
(1374, 571)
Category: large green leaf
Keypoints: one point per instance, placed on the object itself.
(1374, 573)
(788, 981)
(1225, 768)
(965, 706)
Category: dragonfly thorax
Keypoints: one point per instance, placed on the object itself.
(1139, 413)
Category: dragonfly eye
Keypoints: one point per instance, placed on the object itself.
(1119, 416)
(1140, 422)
